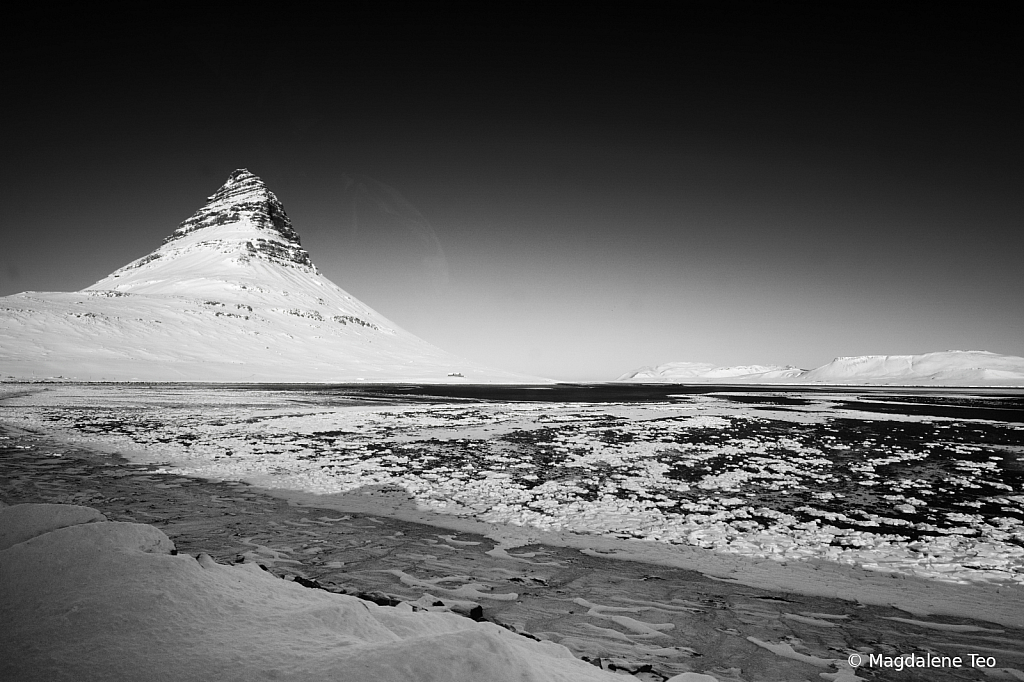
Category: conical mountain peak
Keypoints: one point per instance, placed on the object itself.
(240, 229)
(242, 196)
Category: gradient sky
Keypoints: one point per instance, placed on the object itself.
(571, 197)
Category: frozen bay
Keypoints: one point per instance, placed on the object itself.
(923, 483)
(822, 492)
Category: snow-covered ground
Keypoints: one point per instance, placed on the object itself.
(946, 368)
(89, 599)
(231, 296)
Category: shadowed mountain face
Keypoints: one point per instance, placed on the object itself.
(231, 295)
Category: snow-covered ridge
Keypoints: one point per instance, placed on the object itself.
(945, 368)
(231, 295)
(705, 371)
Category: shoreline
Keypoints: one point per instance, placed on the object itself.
(528, 581)
(1002, 604)
(994, 603)
(163, 428)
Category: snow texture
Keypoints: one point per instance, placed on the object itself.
(231, 296)
(946, 368)
(107, 600)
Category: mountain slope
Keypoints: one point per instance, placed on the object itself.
(951, 368)
(946, 368)
(700, 372)
(231, 296)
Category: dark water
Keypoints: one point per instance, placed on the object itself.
(997, 404)
(993, 408)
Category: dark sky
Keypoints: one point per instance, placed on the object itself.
(571, 196)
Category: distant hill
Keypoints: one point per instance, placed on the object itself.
(945, 368)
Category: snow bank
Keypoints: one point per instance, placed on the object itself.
(946, 368)
(26, 521)
(112, 601)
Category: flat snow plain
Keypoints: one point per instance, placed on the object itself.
(822, 491)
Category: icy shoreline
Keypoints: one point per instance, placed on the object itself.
(660, 479)
(137, 605)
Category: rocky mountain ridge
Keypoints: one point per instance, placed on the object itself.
(243, 219)
(243, 193)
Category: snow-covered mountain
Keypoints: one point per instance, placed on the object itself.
(946, 368)
(705, 372)
(231, 296)
(951, 368)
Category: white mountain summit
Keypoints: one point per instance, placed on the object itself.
(945, 368)
(231, 296)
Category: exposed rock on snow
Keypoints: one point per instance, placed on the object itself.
(947, 368)
(231, 296)
(111, 601)
(243, 194)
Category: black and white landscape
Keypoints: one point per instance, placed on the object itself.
(745, 533)
(683, 348)
(230, 296)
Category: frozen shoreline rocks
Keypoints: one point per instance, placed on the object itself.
(85, 598)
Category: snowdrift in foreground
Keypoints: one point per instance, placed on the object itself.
(946, 368)
(231, 296)
(88, 599)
